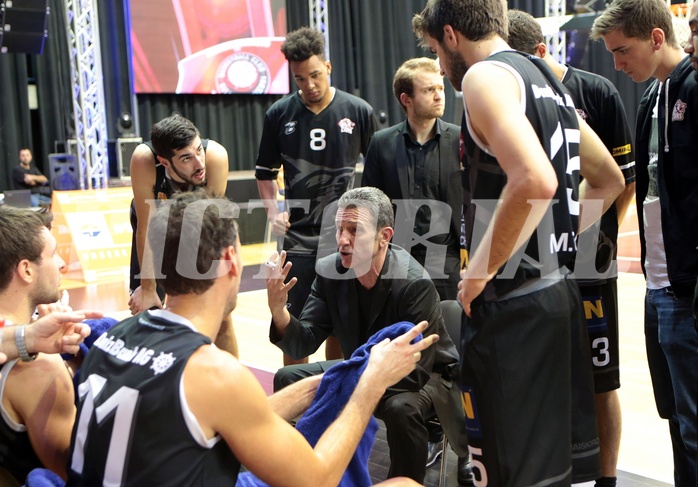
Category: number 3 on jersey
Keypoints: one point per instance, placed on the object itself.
(317, 139)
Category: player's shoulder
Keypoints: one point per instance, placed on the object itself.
(35, 375)
(284, 103)
(354, 100)
(589, 81)
(215, 149)
(143, 155)
(214, 365)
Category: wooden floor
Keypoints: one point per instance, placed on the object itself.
(645, 456)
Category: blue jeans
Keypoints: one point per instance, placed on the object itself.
(671, 340)
(40, 199)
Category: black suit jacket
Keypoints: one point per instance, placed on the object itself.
(402, 293)
(385, 167)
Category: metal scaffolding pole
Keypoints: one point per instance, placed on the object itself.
(557, 40)
(88, 93)
(318, 20)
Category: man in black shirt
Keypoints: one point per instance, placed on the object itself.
(27, 176)
(367, 285)
(417, 164)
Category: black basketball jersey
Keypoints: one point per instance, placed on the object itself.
(164, 187)
(599, 104)
(132, 427)
(17, 455)
(318, 152)
(552, 114)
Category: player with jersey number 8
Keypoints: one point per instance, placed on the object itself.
(316, 135)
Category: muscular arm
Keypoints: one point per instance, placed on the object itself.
(142, 183)
(217, 168)
(293, 400)
(603, 180)
(268, 189)
(623, 201)
(492, 98)
(227, 399)
(41, 396)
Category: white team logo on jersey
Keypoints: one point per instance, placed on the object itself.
(679, 112)
(346, 126)
(162, 362)
(290, 128)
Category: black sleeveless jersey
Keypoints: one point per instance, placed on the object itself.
(17, 455)
(599, 104)
(552, 114)
(132, 426)
(319, 153)
(164, 187)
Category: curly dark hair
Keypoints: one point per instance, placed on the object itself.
(172, 134)
(302, 44)
(20, 238)
(189, 232)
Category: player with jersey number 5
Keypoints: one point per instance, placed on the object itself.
(316, 135)
(525, 147)
(161, 405)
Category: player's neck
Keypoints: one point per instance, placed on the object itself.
(480, 50)
(15, 306)
(203, 310)
(322, 104)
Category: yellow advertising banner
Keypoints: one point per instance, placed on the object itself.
(94, 233)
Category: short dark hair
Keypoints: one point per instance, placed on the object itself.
(183, 237)
(374, 200)
(20, 238)
(525, 33)
(475, 19)
(636, 18)
(172, 134)
(403, 81)
(302, 44)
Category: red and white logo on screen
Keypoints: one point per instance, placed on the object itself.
(242, 72)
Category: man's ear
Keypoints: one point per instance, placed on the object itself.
(541, 50)
(450, 36)
(328, 65)
(658, 37)
(386, 233)
(230, 260)
(163, 161)
(25, 272)
(405, 99)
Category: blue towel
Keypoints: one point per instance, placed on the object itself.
(335, 389)
(41, 477)
(97, 327)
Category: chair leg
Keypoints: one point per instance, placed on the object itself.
(444, 462)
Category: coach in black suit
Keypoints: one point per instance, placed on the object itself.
(367, 285)
(417, 160)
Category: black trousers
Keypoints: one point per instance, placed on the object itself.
(405, 415)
